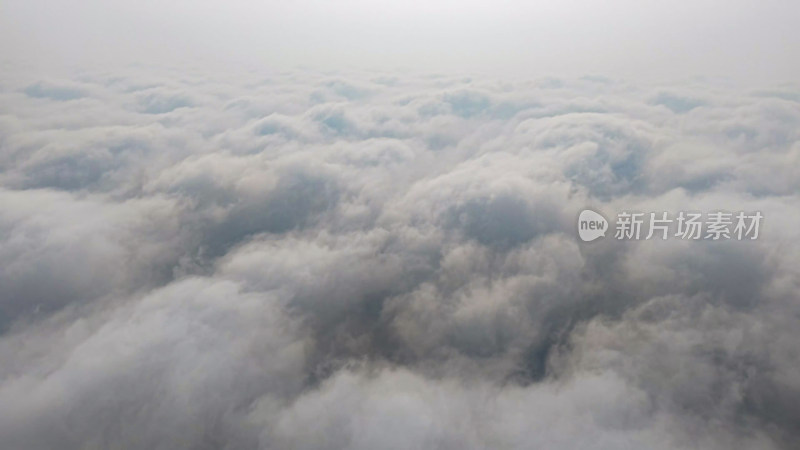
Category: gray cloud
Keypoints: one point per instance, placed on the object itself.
(311, 260)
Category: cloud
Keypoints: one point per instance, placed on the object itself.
(55, 91)
(360, 260)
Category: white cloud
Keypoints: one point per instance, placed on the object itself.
(346, 260)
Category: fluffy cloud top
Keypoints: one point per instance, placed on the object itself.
(357, 260)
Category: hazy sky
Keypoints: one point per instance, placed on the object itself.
(749, 40)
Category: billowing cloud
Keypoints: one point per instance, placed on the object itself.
(366, 260)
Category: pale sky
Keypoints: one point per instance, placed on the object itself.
(750, 40)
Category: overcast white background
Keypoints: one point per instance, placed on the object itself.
(746, 40)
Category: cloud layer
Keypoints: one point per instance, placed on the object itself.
(369, 260)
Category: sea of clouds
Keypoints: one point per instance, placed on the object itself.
(331, 260)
